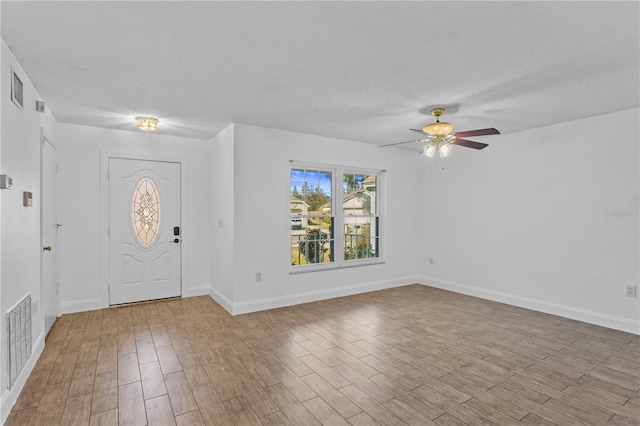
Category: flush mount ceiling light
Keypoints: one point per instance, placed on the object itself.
(147, 124)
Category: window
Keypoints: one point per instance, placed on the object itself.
(334, 215)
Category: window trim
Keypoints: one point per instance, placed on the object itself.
(337, 196)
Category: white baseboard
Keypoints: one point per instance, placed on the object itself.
(311, 296)
(221, 300)
(10, 397)
(597, 318)
(201, 290)
(81, 306)
(94, 304)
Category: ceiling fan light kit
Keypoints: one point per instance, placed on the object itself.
(440, 137)
(429, 150)
(441, 144)
(438, 128)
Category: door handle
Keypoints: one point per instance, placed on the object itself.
(176, 241)
(46, 248)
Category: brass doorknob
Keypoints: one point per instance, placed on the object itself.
(46, 248)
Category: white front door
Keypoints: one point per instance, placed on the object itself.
(144, 230)
(49, 217)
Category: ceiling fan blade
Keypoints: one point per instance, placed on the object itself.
(470, 144)
(419, 131)
(480, 132)
(400, 143)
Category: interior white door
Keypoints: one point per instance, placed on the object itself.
(49, 238)
(144, 230)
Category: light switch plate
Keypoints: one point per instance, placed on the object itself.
(27, 199)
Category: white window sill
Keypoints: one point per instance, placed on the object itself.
(333, 267)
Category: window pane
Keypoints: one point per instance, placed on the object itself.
(322, 193)
(361, 237)
(313, 188)
(359, 193)
(313, 241)
(296, 181)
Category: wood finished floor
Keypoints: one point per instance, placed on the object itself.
(411, 355)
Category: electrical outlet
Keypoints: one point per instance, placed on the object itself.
(258, 276)
(221, 223)
(431, 261)
(631, 291)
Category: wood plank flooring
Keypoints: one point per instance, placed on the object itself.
(411, 355)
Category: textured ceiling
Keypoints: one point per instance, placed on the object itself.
(364, 71)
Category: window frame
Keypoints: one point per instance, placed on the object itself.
(337, 213)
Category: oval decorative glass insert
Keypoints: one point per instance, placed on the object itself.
(145, 211)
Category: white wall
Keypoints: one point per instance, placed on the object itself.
(20, 234)
(80, 178)
(222, 242)
(261, 226)
(526, 221)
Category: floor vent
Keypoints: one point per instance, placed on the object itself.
(19, 336)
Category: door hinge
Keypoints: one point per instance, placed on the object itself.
(57, 288)
(57, 168)
(109, 289)
(108, 232)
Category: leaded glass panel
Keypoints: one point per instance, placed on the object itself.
(145, 211)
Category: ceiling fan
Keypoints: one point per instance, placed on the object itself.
(440, 138)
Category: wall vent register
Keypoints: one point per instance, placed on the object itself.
(18, 338)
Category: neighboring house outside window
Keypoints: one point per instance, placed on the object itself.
(317, 242)
(299, 211)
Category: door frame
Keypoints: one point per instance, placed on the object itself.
(46, 138)
(105, 156)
